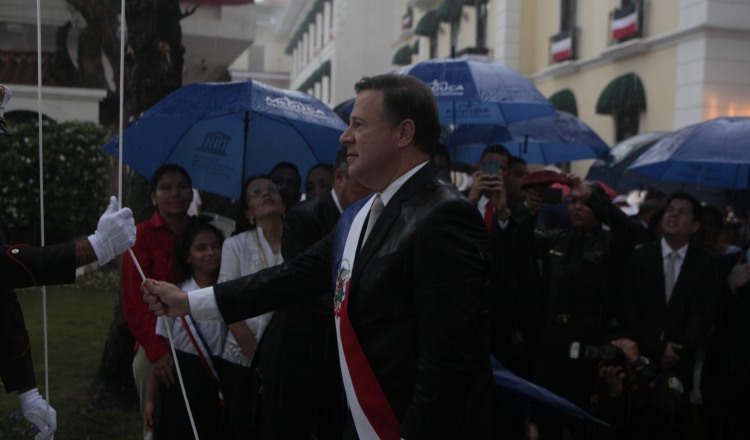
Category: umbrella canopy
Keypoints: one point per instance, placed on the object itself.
(222, 133)
(714, 153)
(521, 397)
(479, 93)
(613, 168)
(561, 137)
(344, 109)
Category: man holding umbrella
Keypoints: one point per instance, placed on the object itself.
(24, 266)
(409, 302)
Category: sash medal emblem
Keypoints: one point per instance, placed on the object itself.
(342, 285)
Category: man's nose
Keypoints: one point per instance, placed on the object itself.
(345, 136)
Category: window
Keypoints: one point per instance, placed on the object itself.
(626, 124)
(482, 12)
(568, 9)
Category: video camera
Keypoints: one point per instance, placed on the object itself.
(608, 354)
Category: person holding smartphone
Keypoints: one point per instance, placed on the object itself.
(487, 190)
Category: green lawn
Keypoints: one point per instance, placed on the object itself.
(78, 318)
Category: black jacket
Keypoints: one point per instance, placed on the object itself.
(416, 302)
(25, 266)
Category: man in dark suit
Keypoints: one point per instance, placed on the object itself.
(25, 266)
(670, 294)
(409, 304)
(298, 356)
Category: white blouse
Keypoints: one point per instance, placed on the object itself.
(245, 254)
(213, 331)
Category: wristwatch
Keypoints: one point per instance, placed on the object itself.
(641, 362)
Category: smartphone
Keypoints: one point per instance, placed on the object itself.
(491, 167)
(551, 196)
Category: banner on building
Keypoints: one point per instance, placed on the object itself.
(407, 20)
(624, 22)
(562, 47)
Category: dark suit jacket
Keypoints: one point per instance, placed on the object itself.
(25, 266)
(689, 315)
(303, 333)
(416, 302)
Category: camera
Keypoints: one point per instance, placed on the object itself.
(610, 354)
(607, 354)
(491, 167)
(551, 196)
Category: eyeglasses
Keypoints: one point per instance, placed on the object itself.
(272, 189)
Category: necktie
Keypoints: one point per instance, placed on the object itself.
(669, 274)
(375, 210)
(489, 215)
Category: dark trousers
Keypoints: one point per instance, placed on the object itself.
(240, 385)
(203, 396)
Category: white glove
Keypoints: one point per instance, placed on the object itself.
(34, 409)
(114, 234)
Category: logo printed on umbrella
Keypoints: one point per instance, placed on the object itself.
(215, 143)
(443, 88)
(286, 103)
(469, 109)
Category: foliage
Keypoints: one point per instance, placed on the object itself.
(78, 317)
(76, 180)
(16, 427)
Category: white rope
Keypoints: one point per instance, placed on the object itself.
(123, 25)
(174, 356)
(41, 190)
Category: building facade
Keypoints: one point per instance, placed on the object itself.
(622, 66)
(214, 35)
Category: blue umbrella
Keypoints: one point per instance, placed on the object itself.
(522, 398)
(223, 132)
(612, 169)
(344, 109)
(479, 93)
(714, 153)
(561, 137)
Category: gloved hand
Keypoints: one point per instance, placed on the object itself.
(114, 234)
(34, 409)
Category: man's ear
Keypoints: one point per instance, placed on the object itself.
(406, 130)
(339, 178)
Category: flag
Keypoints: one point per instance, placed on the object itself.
(407, 20)
(624, 23)
(562, 47)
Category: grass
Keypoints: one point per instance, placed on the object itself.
(78, 318)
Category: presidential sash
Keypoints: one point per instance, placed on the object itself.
(195, 335)
(372, 414)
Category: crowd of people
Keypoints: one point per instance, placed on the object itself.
(224, 366)
(637, 319)
(370, 308)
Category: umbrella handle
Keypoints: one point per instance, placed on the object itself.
(525, 144)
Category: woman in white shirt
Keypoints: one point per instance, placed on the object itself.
(245, 253)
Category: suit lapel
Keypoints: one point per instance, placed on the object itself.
(656, 260)
(388, 217)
